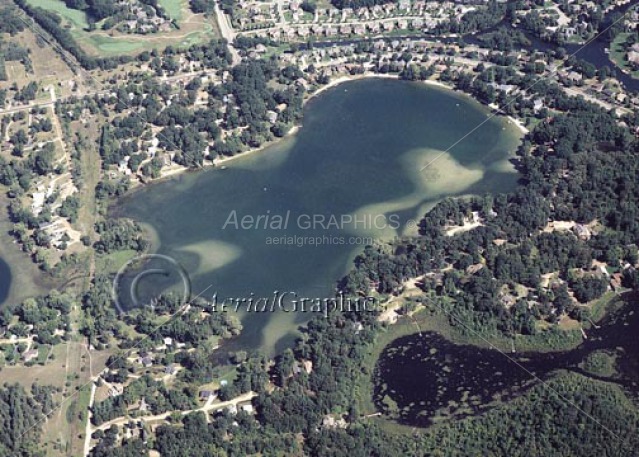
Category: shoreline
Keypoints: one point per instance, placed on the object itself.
(217, 162)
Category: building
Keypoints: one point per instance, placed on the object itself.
(29, 355)
(248, 408)
(207, 394)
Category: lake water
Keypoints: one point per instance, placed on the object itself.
(358, 154)
(19, 276)
(5, 280)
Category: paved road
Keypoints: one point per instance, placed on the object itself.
(227, 32)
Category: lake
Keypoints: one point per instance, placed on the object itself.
(5, 280)
(19, 276)
(357, 158)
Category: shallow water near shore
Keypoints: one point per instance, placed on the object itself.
(358, 155)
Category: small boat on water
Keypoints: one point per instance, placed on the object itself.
(223, 167)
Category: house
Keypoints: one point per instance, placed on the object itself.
(346, 29)
(207, 394)
(573, 76)
(437, 278)
(616, 282)
(146, 361)
(248, 408)
(301, 82)
(303, 32)
(116, 391)
(170, 370)
(508, 300)
(308, 366)
(289, 32)
(601, 271)
(472, 269)
(582, 232)
(29, 355)
(330, 422)
(417, 23)
(271, 116)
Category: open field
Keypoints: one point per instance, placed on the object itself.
(48, 67)
(193, 28)
(69, 370)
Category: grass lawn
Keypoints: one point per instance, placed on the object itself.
(43, 353)
(194, 28)
(610, 301)
(618, 54)
(226, 373)
(76, 17)
(174, 8)
(111, 263)
(108, 45)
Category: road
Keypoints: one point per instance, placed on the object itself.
(226, 29)
(88, 432)
(51, 103)
(297, 25)
(209, 406)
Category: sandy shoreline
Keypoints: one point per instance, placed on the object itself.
(217, 162)
(345, 79)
